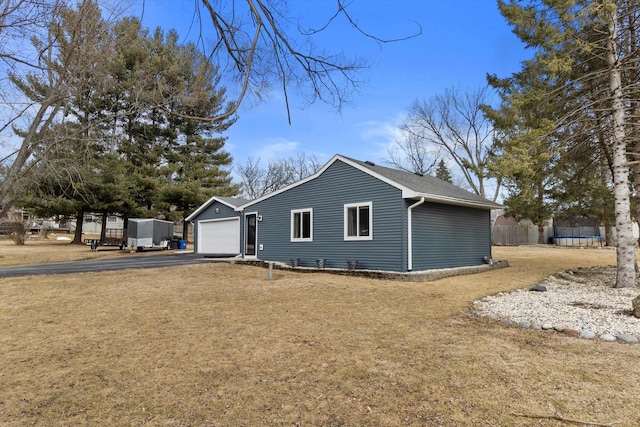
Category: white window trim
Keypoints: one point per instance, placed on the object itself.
(346, 221)
(302, 239)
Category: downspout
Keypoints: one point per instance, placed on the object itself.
(410, 233)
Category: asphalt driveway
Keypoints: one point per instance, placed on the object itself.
(109, 264)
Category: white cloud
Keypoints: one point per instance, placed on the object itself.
(379, 136)
(276, 148)
(381, 132)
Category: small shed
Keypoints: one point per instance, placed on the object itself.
(148, 232)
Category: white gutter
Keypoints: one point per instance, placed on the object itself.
(410, 233)
(452, 200)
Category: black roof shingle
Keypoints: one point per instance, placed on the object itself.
(427, 185)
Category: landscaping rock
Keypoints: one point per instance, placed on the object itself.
(635, 303)
(571, 305)
(566, 276)
(587, 335)
(630, 339)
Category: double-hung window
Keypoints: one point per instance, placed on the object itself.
(302, 225)
(358, 221)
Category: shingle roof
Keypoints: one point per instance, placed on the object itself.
(428, 186)
(235, 201)
(413, 186)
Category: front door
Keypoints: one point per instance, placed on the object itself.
(251, 234)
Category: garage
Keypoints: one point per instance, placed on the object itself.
(219, 236)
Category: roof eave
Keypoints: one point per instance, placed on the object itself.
(451, 200)
(207, 204)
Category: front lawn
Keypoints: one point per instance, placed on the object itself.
(219, 344)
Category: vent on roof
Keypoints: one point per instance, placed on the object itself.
(370, 163)
(419, 173)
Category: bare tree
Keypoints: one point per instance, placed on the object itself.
(411, 154)
(455, 124)
(258, 181)
(302, 166)
(69, 53)
(254, 41)
(20, 20)
(254, 37)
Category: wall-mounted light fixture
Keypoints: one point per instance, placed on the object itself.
(259, 217)
(217, 210)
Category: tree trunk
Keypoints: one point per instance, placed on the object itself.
(540, 212)
(608, 232)
(77, 238)
(636, 182)
(185, 230)
(626, 254)
(125, 228)
(541, 240)
(103, 227)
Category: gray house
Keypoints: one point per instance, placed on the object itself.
(384, 218)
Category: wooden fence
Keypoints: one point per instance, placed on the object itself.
(515, 235)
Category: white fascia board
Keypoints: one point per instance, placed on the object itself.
(408, 193)
(450, 200)
(206, 205)
(290, 186)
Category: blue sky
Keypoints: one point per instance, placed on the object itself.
(461, 41)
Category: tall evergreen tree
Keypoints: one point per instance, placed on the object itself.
(138, 119)
(196, 166)
(587, 36)
(526, 153)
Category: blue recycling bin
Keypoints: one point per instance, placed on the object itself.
(183, 244)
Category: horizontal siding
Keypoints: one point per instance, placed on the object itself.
(209, 213)
(327, 194)
(449, 236)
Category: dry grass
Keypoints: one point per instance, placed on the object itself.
(218, 344)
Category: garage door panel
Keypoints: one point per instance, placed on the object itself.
(219, 236)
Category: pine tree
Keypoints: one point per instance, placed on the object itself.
(442, 172)
(196, 164)
(137, 124)
(579, 47)
(525, 155)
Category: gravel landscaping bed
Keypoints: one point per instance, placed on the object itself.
(581, 302)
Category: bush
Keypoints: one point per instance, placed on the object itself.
(15, 229)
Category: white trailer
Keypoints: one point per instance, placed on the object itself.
(149, 233)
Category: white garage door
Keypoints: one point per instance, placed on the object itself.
(221, 236)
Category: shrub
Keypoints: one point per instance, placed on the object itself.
(16, 231)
